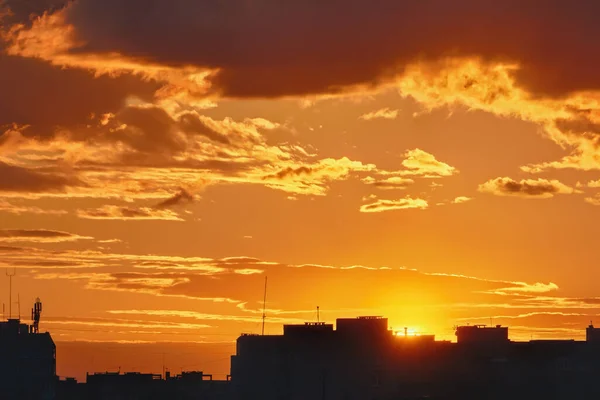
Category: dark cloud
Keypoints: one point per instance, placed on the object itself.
(22, 11)
(190, 123)
(47, 97)
(532, 188)
(18, 179)
(275, 48)
(182, 197)
(291, 172)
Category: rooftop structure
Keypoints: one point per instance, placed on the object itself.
(482, 334)
(27, 362)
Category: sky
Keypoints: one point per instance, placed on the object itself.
(433, 162)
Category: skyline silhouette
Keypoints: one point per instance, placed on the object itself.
(434, 162)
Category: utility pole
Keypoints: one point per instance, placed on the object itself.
(10, 276)
(318, 317)
(264, 315)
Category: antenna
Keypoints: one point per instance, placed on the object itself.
(264, 315)
(36, 313)
(10, 276)
(19, 304)
(318, 319)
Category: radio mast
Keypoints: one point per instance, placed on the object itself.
(10, 276)
(264, 315)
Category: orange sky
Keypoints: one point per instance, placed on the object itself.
(371, 159)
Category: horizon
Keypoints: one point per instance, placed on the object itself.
(157, 162)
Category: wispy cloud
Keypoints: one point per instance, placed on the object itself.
(461, 199)
(111, 212)
(384, 113)
(394, 182)
(18, 209)
(391, 205)
(39, 236)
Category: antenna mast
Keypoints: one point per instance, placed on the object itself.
(264, 315)
(10, 276)
(19, 304)
(36, 313)
(318, 316)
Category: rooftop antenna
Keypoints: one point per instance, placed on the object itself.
(36, 313)
(19, 304)
(264, 315)
(3, 311)
(10, 276)
(318, 316)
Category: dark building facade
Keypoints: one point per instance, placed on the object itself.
(141, 386)
(363, 360)
(27, 362)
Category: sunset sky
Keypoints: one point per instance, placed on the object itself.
(436, 162)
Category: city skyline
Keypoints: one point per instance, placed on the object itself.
(156, 163)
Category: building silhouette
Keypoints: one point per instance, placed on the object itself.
(358, 359)
(363, 360)
(27, 362)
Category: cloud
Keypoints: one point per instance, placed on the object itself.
(98, 322)
(19, 179)
(595, 201)
(447, 65)
(419, 162)
(5, 206)
(384, 113)
(312, 178)
(248, 271)
(522, 287)
(180, 198)
(594, 184)
(393, 182)
(390, 205)
(461, 199)
(111, 212)
(231, 36)
(206, 316)
(38, 236)
(526, 188)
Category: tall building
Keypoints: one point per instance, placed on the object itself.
(27, 362)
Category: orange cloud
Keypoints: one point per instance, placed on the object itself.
(5, 206)
(393, 182)
(461, 199)
(391, 205)
(111, 212)
(419, 162)
(595, 200)
(526, 188)
(384, 113)
(38, 236)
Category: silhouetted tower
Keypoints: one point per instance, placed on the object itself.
(36, 313)
(10, 276)
(264, 315)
